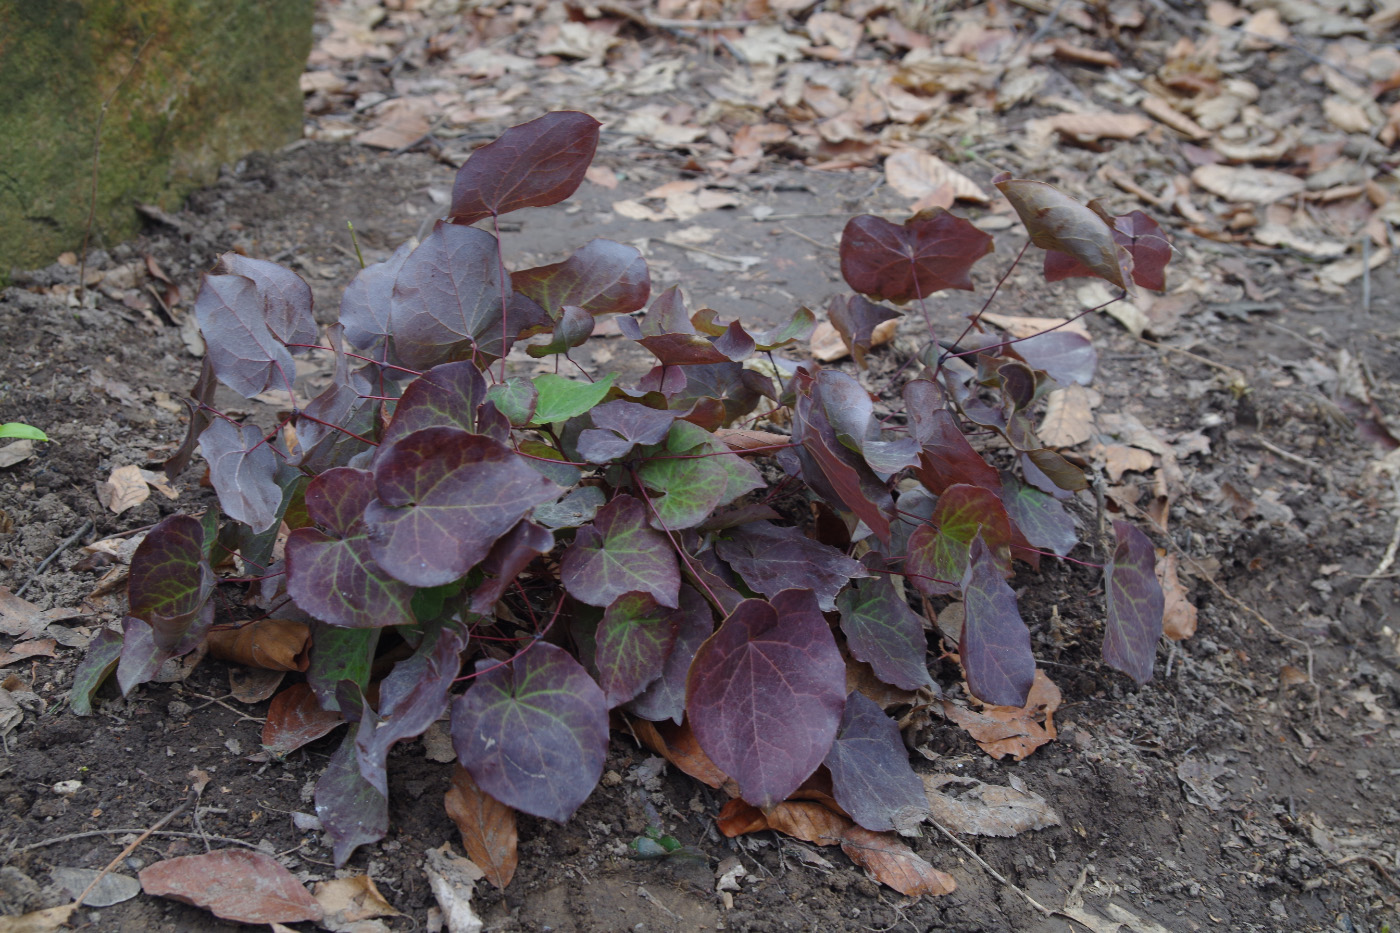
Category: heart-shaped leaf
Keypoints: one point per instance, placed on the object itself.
(445, 396)
(573, 329)
(171, 581)
(1135, 604)
(938, 551)
(665, 698)
(995, 645)
(945, 457)
(1135, 232)
(515, 398)
(855, 319)
(350, 808)
(695, 474)
(243, 469)
(620, 553)
(870, 774)
(332, 574)
(533, 733)
(772, 558)
(294, 719)
(243, 352)
(445, 496)
(621, 425)
(1041, 518)
(236, 884)
(933, 250)
(765, 694)
(533, 164)
(286, 298)
(1057, 221)
(884, 632)
(559, 399)
(1068, 358)
(851, 413)
(365, 306)
(634, 640)
(601, 277)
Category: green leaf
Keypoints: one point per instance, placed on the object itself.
(339, 654)
(21, 431)
(690, 489)
(515, 398)
(561, 399)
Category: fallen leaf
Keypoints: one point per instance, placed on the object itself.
(826, 345)
(487, 827)
(346, 902)
(295, 718)
(253, 684)
(112, 889)
(1018, 326)
(43, 647)
(965, 805)
(14, 453)
(893, 863)
(1010, 730)
(39, 921)
(1120, 459)
(677, 745)
(810, 822)
(235, 884)
(1163, 112)
(1069, 418)
(602, 176)
(1085, 127)
(452, 878)
(1179, 619)
(1247, 184)
(22, 619)
(125, 489)
(1199, 780)
(270, 644)
(916, 175)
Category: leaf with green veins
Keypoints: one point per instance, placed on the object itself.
(634, 639)
(171, 580)
(938, 551)
(95, 667)
(619, 553)
(884, 632)
(515, 398)
(21, 431)
(339, 654)
(694, 474)
(560, 399)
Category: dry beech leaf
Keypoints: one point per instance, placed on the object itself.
(253, 684)
(1120, 459)
(14, 453)
(965, 805)
(1086, 127)
(917, 175)
(1247, 184)
(270, 644)
(348, 901)
(1165, 113)
(236, 884)
(125, 489)
(677, 744)
(1069, 418)
(22, 619)
(826, 345)
(602, 176)
(1179, 619)
(893, 863)
(1009, 730)
(487, 827)
(43, 647)
(810, 822)
(39, 921)
(741, 439)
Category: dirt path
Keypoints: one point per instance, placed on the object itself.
(1250, 786)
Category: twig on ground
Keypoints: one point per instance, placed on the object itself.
(1223, 367)
(63, 545)
(802, 236)
(1046, 911)
(1388, 558)
(1287, 455)
(1374, 863)
(131, 847)
(59, 840)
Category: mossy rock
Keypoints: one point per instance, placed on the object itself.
(187, 86)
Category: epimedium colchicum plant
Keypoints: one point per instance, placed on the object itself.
(585, 546)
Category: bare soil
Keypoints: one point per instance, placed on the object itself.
(1251, 786)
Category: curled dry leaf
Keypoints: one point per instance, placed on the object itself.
(1247, 184)
(1010, 730)
(125, 489)
(827, 346)
(487, 827)
(916, 175)
(1069, 418)
(893, 863)
(270, 644)
(965, 805)
(1179, 619)
(677, 745)
(348, 902)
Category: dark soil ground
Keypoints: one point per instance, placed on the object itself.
(1251, 786)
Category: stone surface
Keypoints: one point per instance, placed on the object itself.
(186, 85)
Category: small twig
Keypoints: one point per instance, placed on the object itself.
(1373, 862)
(1046, 911)
(1295, 458)
(802, 236)
(63, 545)
(189, 799)
(59, 840)
(1388, 558)
(1223, 367)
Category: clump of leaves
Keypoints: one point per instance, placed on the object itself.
(532, 553)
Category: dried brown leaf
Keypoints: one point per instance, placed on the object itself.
(270, 644)
(348, 901)
(893, 863)
(1010, 730)
(125, 489)
(487, 827)
(1179, 619)
(917, 175)
(1069, 418)
(969, 806)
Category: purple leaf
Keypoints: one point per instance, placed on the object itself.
(1066, 357)
(1135, 232)
(667, 333)
(510, 554)
(665, 698)
(286, 298)
(243, 470)
(771, 559)
(870, 774)
(601, 277)
(798, 328)
(447, 300)
(619, 426)
(995, 645)
(533, 164)
(938, 551)
(620, 553)
(327, 424)
(1055, 221)
(1056, 469)
(352, 811)
(140, 658)
(533, 733)
(575, 509)
(765, 694)
(241, 349)
(171, 581)
(633, 641)
(339, 654)
(932, 251)
(445, 396)
(331, 574)
(835, 473)
(201, 402)
(573, 329)
(945, 457)
(1041, 518)
(851, 413)
(411, 698)
(728, 383)
(97, 665)
(365, 306)
(884, 632)
(695, 474)
(1135, 604)
(855, 319)
(444, 497)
